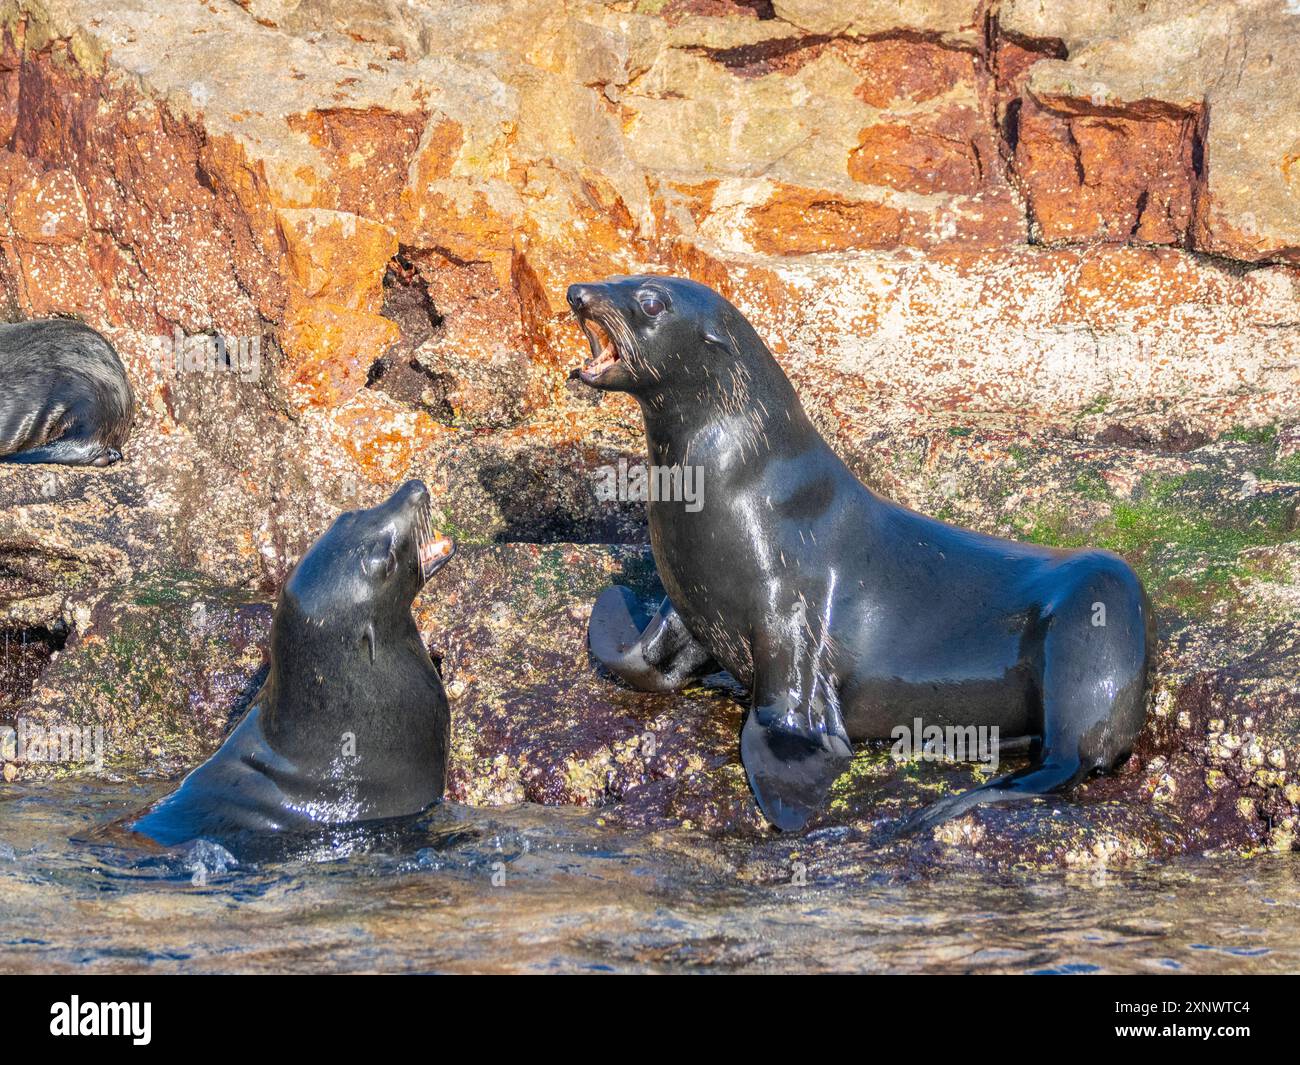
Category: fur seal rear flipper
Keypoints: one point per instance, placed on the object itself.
(845, 614)
(652, 655)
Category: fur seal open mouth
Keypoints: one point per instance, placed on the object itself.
(604, 349)
(433, 550)
(619, 326)
(434, 554)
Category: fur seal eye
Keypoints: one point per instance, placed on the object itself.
(651, 304)
(383, 559)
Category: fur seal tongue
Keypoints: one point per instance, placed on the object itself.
(604, 352)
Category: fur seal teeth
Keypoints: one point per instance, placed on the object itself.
(434, 549)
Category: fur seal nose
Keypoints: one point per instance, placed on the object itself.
(414, 491)
(578, 296)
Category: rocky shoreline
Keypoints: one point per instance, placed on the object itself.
(1024, 278)
(163, 659)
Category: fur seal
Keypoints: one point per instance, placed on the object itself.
(352, 723)
(65, 397)
(845, 614)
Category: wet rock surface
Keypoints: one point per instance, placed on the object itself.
(165, 661)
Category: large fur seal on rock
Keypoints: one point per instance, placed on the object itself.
(352, 723)
(846, 615)
(64, 395)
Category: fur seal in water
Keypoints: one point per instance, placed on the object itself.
(352, 723)
(845, 614)
(64, 395)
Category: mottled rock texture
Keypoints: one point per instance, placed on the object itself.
(1033, 267)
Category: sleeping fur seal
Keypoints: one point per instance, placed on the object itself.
(843, 613)
(352, 723)
(64, 395)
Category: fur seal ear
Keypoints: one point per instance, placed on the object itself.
(368, 638)
(719, 337)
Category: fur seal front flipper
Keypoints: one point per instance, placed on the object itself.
(793, 744)
(792, 751)
(843, 613)
(652, 655)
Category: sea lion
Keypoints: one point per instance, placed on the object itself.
(351, 724)
(845, 614)
(64, 395)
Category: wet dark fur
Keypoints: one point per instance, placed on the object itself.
(64, 395)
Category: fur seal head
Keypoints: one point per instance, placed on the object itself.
(343, 637)
(650, 334)
(361, 577)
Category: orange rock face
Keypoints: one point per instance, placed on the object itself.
(906, 158)
(477, 160)
(903, 70)
(143, 235)
(329, 349)
(337, 257)
(366, 152)
(381, 438)
(1107, 175)
(48, 209)
(796, 221)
